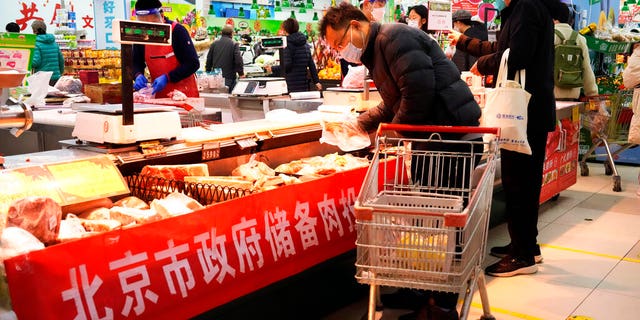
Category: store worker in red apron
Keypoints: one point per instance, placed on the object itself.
(171, 67)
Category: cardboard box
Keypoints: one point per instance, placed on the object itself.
(104, 92)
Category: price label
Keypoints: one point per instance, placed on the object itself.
(210, 151)
(439, 17)
(89, 179)
(246, 143)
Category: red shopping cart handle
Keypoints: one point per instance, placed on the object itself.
(427, 128)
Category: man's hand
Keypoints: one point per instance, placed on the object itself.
(159, 83)
(453, 37)
(141, 82)
(319, 86)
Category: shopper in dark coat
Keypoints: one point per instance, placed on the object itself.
(224, 53)
(527, 30)
(462, 23)
(416, 81)
(46, 55)
(418, 85)
(297, 65)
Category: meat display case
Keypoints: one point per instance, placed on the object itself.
(184, 266)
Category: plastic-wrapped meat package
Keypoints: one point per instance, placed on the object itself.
(39, 215)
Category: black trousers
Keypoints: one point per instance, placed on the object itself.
(522, 181)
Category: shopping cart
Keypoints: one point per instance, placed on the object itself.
(422, 213)
(608, 119)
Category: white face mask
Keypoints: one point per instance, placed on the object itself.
(378, 14)
(351, 53)
(413, 23)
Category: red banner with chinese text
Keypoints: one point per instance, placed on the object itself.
(182, 266)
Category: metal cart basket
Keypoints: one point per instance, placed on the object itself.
(608, 119)
(422, 213)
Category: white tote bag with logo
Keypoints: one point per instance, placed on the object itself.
(506, 108)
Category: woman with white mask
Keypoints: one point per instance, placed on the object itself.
(374, 10)
(418, 17)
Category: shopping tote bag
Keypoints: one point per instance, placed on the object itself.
(506, 107)
(634, 126)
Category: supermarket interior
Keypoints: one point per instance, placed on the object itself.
(146, 173)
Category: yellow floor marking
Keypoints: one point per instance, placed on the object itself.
(603, 255)
(507, 312)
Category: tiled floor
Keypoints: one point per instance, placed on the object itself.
(590, 239)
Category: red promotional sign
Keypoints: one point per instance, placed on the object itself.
(561, 159)
(180, 267)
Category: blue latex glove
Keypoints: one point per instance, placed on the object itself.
(159, 83)
(141, 82)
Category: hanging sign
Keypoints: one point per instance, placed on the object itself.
(439, 15)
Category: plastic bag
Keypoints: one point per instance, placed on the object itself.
(355, 77)
(69, 84)
(345, 133)
(38, 88)
(144, 94)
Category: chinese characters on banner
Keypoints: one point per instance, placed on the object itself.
(92, 16)
(105, 12)
(183, 266)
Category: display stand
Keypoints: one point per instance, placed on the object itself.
(561, 159)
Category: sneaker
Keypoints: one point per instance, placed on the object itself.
(511, 266)
(501, 252)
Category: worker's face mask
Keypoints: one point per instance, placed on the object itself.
(378, 14)
(351, 53)
(413, 23)
(456, 26)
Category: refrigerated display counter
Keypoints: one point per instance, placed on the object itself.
(198, 263)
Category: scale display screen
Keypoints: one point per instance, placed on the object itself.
(136, 32)
(274, 42)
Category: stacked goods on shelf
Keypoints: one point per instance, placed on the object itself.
(106, 62)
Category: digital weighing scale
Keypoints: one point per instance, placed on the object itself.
(104, 123)
(263, 86)
(118, 123)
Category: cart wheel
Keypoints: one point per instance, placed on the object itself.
(617, 187)
(584, 169)
(555, 197)
(607, 168)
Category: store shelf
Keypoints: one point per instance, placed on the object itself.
(605, 46)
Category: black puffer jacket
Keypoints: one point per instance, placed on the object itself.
(296, 58)
(417, 82)
(463, 60)
(527, 29)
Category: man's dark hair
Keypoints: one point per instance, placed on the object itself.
(339, 17)
(148, 4)
(291, 25)
(12, 27)
(562, 14)
(227, 30)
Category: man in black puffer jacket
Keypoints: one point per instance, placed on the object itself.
(416, 81)
(418, 85)
(296, 59)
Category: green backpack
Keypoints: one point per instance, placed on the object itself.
(567, 69)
